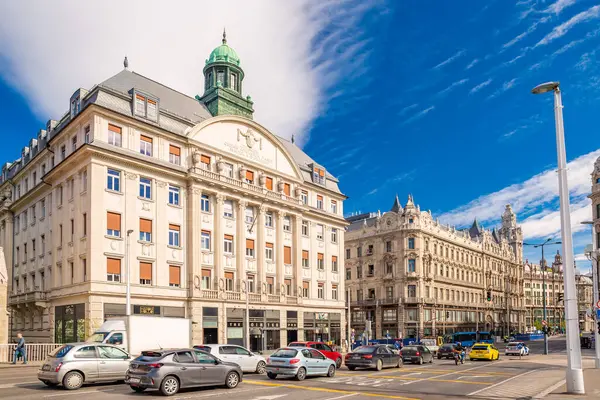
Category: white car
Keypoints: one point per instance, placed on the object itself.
(516, 349)
(247, 360)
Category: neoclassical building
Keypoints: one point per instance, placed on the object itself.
(206, 207)
(411, 275)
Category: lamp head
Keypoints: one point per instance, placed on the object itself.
(545, 87)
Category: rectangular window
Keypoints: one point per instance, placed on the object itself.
(228, 208)
(233, 81)
(389, 268)
(305, 262)
(388, 246)
(319, 202)
(84, 181)
(145, 188)
(305, 289)
(72, 230)
(250, 248)
(412, 291)
(140, 105)
(206, 275)
(411, 265)
(229, 281)
(251, 287)
(145, 230)
(114, 135)
(334, 264)
(334, 232)
(113, 180)
(205, 203)
(348, 274)
(305, 228)
(205, 240)
(33, 216)
(145, 273)
(87, 134)
(287, 255)
(151, 111)
(43, 169)
(84, 224)
(287, 224)
(319, 232)
(205, 162)
(269, 219)
(287, 189)
(334, 292)
(371, 270)
(174, 155)
(113, 224)
(269, 251)
(174, 276)
(597, 210)
(319, 175)
(74, 143)
(146, 145)
(269, 183)
(34, 178)
(249, 215)
(174, 235)
(320, 262)
(411, 243)
(320, 291)
(71, 184)
(270, 284)
(113, 270)
(359, 272)
(43, 240)
(228, 244)
(334, 206)
(60, 195)
(174, 195)
(250, 177)
(347, 254)
(288, 286)
(63, 153)
(227, 170)
(389, 292)
(84, 267)
(304, 197)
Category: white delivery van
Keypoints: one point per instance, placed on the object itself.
(145, 333)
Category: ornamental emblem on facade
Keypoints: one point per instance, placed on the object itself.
(251, 138)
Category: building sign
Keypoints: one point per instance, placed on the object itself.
(234, 324)
(247, 152)
(292, 325)
(322, 316)
(146, 310)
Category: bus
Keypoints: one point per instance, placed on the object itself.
(468, 339)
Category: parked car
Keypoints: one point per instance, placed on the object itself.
(484, 351)
(75, 364)
(416, 354)
(393, 348)
(446, 351)
(373, 356)
(517, 349)
(299, 362)
(175, 369)
(431, 345)
(323, 348)
(247, 360)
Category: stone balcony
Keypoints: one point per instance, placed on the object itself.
(35, 297)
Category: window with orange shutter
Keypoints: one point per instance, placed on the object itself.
(174, 276)
(320, 261)
(305, 263)
(145, 230)
(269, 183)
(287, 255)
(249, 177)
(286, 189)
(205, 161)
(145, 273)
(174, 155)
(113, 269)
(249, 248)
(113, 224)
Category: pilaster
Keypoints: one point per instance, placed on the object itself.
(297, 257)
(218, 243)
(240, 243)
(260, 249)
(279, 253)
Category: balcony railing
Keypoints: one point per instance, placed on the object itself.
(291, 300)
(36, 352)
(210, 294)
(411, 300)
(254, 297)
(233, 295)
(273, 298)
(28, 297)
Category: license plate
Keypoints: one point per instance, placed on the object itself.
(46, 368)
(355, 356)
(134, 380)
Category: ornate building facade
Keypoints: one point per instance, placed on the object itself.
(536, 279)
(410, 275)
(207, 208)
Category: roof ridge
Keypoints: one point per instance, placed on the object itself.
(165, 86)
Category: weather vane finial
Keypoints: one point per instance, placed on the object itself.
(224, 36)
(126, 63)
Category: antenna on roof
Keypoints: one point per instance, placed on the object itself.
(126, 63)
(293, 139)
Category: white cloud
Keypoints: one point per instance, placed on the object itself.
(472, 63)
(535, 200)
(450, 59)
(567, 47)
(505, 86)
(452, 86)
(480, 86)
(420, 114)
(49, 49)
(557, 7)
(407, 108)
(562, 29)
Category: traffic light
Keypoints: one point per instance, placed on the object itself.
(489, 295)
(561, 297)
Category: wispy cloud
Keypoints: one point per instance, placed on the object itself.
(567, 47)
(585, 60)
(535, 201)
(450, 59)
(480, 86)
(562, 29)
(556, 8)
(509, 134)
(452, 86)
(403, 176)
(419, 115)
(529, 30)
(514, 60)
(407, 109)
(505, 86)
(472, 63)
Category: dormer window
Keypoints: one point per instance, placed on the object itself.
(146, 107)
(319, 175)
(233, 81)
(75, 106)
(221, 77)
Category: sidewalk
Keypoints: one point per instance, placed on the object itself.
(32, 364)
(591, 378)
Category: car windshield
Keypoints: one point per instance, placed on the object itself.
(480, 347)
(203, 348)
(514, 344)
(97, 337)
(285, 353)
(61, 351)
(447, 347)
(296, 344)
(413, 348)
(364, 350)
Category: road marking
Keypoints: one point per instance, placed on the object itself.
(78, 393)
(318, 389)
(501, 382)
(220, 392)
(341, 397)
(551, 389)
(439, 376)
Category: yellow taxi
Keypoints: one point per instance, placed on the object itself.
(484, 351)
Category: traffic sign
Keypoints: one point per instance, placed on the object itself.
(544, 323)
(598, 314)
(598, 304)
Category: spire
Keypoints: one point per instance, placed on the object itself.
(224, 36)
(409, 202)
(125, 63)
(396, 207)
(293, 139)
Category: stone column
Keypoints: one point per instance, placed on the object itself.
(240, 244)
(279, 252)
(297, 255)
(192, 239)
(260, 249)
(218, 242)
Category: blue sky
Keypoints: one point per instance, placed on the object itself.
(430, 98)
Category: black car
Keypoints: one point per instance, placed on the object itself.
(374, 356)
(446, 351)
(416, 354)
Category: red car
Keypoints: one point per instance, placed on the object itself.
(323, 348)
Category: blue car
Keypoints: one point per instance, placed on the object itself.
(299, 362)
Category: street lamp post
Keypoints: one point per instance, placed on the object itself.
(574, 375)
(593, 257)
(543, 269)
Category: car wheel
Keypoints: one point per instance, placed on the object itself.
(379, 365)
(50, 384)
(351, 368)
(338, 363)
(137, 389)
(420, 360)
(497, 357)
(439, 357)
(331, 371)
(271, 375)
(169, 386)
(260, 367)
(73, 380)
(301, 374)
(232, 380)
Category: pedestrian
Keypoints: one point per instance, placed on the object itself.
(20, 350)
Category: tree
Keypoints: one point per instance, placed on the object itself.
(537, 324)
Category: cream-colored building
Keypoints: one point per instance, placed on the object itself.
(535, 280)
(196, 198)
(410, 275)
(4, 313)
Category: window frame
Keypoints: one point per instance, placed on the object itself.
(174, 195)
(145, 188)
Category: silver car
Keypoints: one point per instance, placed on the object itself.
(72, 365)
(247, 360)
(174, 369)
(299, 362)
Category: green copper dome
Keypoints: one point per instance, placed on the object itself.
(223, 53)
